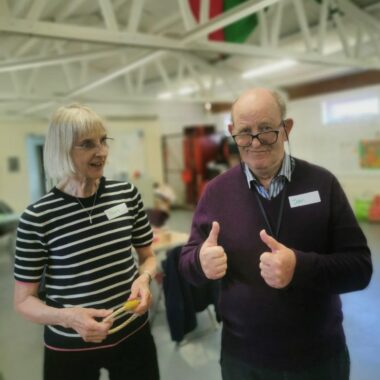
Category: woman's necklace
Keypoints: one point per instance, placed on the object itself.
(92, 208)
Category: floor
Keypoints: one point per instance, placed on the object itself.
(21, 341)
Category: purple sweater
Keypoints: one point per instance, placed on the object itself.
(300, 325)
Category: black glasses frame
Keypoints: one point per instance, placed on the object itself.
(257, 136)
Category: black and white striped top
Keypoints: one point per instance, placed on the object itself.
(87, 265)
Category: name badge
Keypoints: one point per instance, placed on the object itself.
(304, 199)
(116, 211)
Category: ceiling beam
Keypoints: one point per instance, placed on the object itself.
(4, 9)
(276, 25)
(69, 9)
(344, 82)
(187, 16)
(158, 42)
(302, 20)
(204, 11)
(35, 10)
(108, 15)
(135, 15)
(138, 62)
(48, 101)
(151, 56)
(322, 28)
(280, 53)
(26, 64)
(17, 7)
(358, 14)
(90, 34)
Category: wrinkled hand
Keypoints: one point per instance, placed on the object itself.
(83, 321)
(140, 289)
(212, 257)
(277, 267)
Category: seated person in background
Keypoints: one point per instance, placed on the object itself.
(164, 197)
(227, 157)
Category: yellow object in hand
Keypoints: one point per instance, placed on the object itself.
(126, 308)
(131, 304)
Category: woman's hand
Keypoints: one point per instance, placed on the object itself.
(84, 322)
(140, 289)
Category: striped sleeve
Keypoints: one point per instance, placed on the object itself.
(31, 249)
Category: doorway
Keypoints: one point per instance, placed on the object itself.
(36, 171)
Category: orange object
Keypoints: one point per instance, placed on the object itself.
(374, 210)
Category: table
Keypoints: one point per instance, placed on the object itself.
(166, 239)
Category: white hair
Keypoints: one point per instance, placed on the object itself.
(67, 124)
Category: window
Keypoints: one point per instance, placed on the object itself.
(349, 110)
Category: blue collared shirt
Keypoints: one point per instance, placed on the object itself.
(277, 183)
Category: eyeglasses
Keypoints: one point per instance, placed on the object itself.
(90, 145)
(245, 139)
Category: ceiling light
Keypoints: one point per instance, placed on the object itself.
(208, 106)
(187, 90)
(165, 95)
(268, 69)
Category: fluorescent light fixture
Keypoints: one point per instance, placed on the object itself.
(165, 95)
(208, 106)
(187, 90)
(269, 69)
(217, 82)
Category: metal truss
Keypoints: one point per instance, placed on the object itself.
(159, 51)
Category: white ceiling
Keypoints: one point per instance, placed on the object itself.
(135, 53)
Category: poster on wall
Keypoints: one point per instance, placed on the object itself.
(369, 154)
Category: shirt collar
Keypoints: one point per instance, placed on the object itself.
(287, 167)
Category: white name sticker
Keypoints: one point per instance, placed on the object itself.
(116, 211)
(304, 199)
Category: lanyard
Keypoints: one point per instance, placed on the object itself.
(279, 217)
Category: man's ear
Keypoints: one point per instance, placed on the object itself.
(230, 128)
(288, 125)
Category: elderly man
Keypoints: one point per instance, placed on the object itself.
(280, 235)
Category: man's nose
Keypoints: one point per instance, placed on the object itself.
(255, 141)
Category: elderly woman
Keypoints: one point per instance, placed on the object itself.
(79, 238)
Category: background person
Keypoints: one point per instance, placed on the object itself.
(81, 235)
(280, 234)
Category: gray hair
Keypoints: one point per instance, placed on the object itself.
(280, 102)
(67, 124)
(278, 98)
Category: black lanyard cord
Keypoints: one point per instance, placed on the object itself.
(279, 218)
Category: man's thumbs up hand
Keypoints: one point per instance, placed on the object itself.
(277, 267)
(212, 257)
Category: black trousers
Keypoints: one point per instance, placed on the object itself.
(133, 359)
(334, 368)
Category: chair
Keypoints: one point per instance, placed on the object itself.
(156, 217)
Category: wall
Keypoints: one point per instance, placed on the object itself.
(14, 186)
(335, 146)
